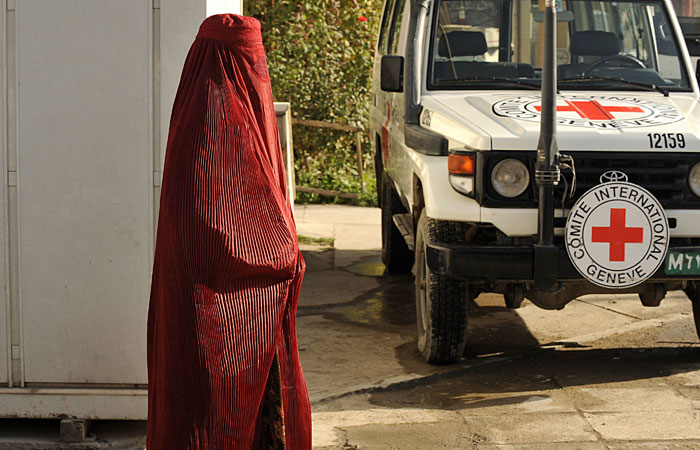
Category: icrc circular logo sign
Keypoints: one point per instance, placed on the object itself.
(617, 235)
(595, 111)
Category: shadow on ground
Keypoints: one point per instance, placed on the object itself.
(502, 355)
(546, 370)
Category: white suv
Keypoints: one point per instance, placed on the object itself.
(455, 121)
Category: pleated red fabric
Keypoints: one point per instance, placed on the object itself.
(223, 363)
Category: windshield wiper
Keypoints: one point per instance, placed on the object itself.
(486, 80)
(647, 87)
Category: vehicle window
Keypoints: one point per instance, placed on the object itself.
(465, 27)
(625, 25)
(396, 26)
(384, 30)
(668, 54)
(635, 39)
(601, 45)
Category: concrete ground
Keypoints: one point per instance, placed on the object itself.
(604, 373)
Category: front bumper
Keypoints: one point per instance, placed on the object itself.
(516, 263)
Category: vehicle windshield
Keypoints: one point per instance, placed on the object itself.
(601, 45)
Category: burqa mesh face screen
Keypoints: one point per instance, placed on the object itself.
(223, 364)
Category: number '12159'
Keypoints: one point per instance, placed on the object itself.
(666, 140)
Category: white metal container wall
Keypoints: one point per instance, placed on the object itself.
(85, 189)
(4, 254)
(87, 89)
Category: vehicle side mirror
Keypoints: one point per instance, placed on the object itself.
(392, 73)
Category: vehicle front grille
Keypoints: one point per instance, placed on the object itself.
(665, 175)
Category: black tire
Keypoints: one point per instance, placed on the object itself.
(396, 256)
(693, 293)
(696, 316)
(441, 302)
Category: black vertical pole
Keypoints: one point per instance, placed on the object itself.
(547, 167)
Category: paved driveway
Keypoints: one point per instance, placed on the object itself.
(604, 373)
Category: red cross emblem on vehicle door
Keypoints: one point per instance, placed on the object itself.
(618, 234)
(593, 110)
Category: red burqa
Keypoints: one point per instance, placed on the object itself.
(223, 363)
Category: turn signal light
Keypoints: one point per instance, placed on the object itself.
(461, 168)
(460, 164)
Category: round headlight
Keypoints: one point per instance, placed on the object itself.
(694, 179)
(510, 178)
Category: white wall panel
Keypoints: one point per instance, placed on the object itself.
(4, 244)
(85, 188)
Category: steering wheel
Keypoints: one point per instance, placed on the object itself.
(626, 60)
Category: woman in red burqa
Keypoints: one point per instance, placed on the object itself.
(223, 363)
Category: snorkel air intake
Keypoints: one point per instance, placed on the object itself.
(547, 167)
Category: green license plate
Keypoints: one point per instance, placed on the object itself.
(683, 263)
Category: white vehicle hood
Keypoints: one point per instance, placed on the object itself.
(586, 121)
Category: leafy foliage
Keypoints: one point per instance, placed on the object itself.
(320, 55)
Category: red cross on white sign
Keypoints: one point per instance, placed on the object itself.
(593, 110)
(618, 234)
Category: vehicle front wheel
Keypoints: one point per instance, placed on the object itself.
(693, 293)
(441, 303)
(696, 316)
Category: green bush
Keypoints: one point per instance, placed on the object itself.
(320, 55)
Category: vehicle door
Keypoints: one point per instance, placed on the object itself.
(393, 103)
(379, 110)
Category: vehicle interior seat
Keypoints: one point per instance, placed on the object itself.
(456, 59)
(585, 44)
